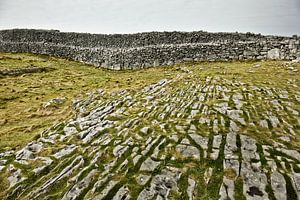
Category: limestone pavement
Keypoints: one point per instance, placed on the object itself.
(213, 139)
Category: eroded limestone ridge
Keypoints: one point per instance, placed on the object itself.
(141, 50)
(212, 138)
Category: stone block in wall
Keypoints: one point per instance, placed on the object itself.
(273, 54)
(156, 63)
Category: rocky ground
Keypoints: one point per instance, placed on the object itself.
(216, 136)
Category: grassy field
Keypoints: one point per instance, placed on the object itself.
(23, 116)
(22, 98)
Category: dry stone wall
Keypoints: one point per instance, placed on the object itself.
(142, 50)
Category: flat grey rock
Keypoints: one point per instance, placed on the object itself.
(278, 185)
(149, 165)
(200, 140)
(161, 185)
(142, 179)
(15, 176)
(120, 150)
(188, 151)
(78, 188)
(191, 188)
(292, 153)
(29, 151)
(70, 130)
(227, 189)
(145, 130)
(248, 148)
(65, 151)
(122, 194)
(106, 190)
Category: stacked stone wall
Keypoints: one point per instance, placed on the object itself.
(142, 50)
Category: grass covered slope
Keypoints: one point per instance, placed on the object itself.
(22, 97)
(205, 130)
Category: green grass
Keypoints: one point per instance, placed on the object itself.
(22, 115)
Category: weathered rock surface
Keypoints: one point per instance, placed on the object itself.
(129, 146)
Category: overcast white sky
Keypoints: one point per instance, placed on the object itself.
(280, 17)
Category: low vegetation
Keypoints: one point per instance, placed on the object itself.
(23, 114)
(22, 97)
(202, 115)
